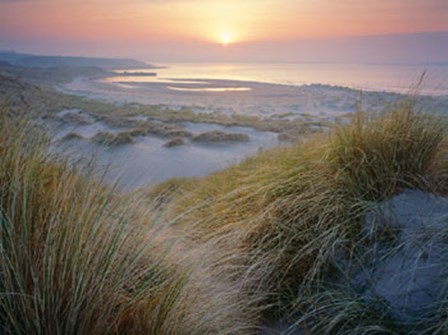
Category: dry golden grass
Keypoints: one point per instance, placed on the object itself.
(212, 255)
(76, 258)
(294, 209)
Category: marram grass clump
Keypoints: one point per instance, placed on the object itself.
(377, 156)
(296, 210)
(77, 258)
(73, 259)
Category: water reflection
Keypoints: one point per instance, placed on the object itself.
(210, 89)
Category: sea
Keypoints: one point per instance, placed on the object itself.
(425, 79)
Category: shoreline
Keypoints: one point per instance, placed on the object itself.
(262, 99)
(243, 102)
(384, 78)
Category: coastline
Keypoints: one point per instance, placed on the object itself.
(273, 113)
(258, 99)
(385, 78)
(320, 102)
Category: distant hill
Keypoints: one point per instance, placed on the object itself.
(49, 76)
(21, 97)
(63, 61)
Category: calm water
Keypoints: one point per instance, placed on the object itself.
(392, 78)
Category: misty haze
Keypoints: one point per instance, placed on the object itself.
(223, 167)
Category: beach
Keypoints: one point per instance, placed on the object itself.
(150, 159)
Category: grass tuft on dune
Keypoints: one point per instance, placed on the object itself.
(78, 258)
(71, 253)
(297, 210)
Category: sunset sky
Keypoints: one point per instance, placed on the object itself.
(225, 30)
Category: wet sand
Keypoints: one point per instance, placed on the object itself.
(237, 97)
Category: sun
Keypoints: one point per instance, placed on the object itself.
(225, 38)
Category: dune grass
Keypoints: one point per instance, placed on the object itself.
(71, 256)
(296, 210)
(272, 238)
(77, 258)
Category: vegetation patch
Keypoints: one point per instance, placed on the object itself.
(300, 211)
(175, 142)
(76, 117)
(46, 102)
(72, 136)
(78, 258)
(217, 136)
(112, 139)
